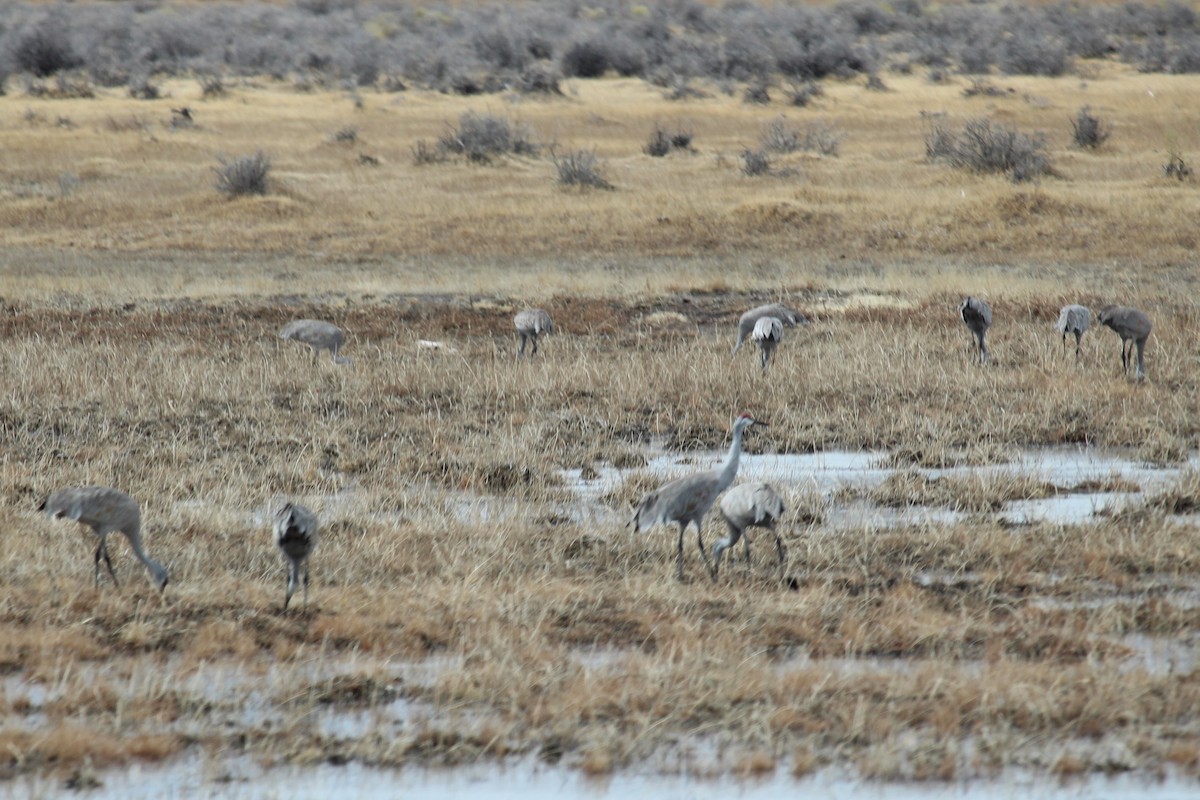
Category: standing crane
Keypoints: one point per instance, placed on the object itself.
(296, 537)
(747, 321)
(1074, 319)
(318, 335)
(686, 500)
(1133, 327)
(530, 323)
(749, 505)
(977, 316)
(105, 510)
(768, 332)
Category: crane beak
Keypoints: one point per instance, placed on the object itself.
(760, 422)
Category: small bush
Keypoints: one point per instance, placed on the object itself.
(212, 86)
(682, 139)
(44, 48)
(805, 94)
(1088, 131)
(876, 84)
(587, 59)
(243, 175)
(659, 144)
(755, 163)
(143, 89)
(779, 137)
(346, 135)
(539, 79)
(1176, 167)
(824, 138)
(986, 146)
(756, 93)
(662, 141)
(425, 154)
(580, 168)
(479, 137)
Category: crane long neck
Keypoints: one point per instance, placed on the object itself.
(729, 471)
(135, 543)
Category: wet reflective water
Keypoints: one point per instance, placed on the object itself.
(196, 778)
(1087, 481)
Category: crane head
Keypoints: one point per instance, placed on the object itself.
(745, 421)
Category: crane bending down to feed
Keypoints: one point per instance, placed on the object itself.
(686, 500)
(1134, 329)
(749, 505)
(768, 332)
(1074, 319)
(296, 537)
(530, 323)
(105, 510)
(747, 321)
(977, 316)
(319, 336)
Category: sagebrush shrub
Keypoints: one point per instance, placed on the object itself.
(479, 137)
(243, 175)
(580, 168)
(755, 162)
(44, 48)
(986, 146)
(1088, 131)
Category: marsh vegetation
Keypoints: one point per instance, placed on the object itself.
(476, 595)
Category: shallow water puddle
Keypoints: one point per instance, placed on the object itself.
(195, 777)
(1091, 482)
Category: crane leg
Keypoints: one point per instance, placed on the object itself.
(102, 552)
(746, 551)
(779, 550)
(291, 585)
(521, 349)
(700, 544)
(679, 556)
(1141, 365)
(1078, 342)
(534, 340)
(306, 585)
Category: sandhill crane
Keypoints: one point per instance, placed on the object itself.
(977, 316)
(1133, 327)
(686, 500)
(319, 336)
(768, 332)
(296, 536)
(747, 321)
(105, 510)
(1074, 319)
(529, 324)
(744, 506)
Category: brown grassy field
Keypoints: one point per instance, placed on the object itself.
(139, 316)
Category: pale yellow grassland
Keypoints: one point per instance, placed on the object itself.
(876, 215)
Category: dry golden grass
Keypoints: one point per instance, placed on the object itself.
(139, 322)
(877, 216)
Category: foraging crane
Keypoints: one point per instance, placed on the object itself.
(748, 320)
(768, 332)
(530, 323)
(686, 500)
(296, 536)
(319, 336)
(105, 510)
(749, 505)
(977, 316)
(1133, 327)
(1074, 319)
